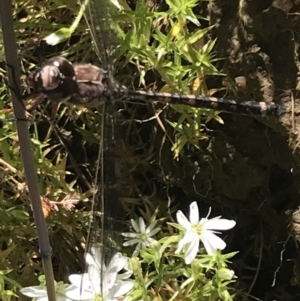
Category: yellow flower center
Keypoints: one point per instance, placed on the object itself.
(143, 237)
(197, 228)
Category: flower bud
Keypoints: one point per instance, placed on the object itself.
(134, 265)
(225, 274)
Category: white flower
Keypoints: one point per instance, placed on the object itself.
(103, 281)
(142, 237)
(202, 230)
(64, 292)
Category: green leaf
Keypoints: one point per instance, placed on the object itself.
(199, 34)
(59, 36)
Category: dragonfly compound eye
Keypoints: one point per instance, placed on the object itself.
(50, 77)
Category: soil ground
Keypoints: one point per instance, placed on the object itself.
(253, 170)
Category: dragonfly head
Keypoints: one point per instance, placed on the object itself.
(45, 79)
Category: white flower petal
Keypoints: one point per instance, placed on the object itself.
(136, 251)
(194, 213)
(203, 222)
(129, 234)
(182, 220)
(151, 226)
(90, 260)
(34, 291)
(219, 224)
(153, 232)
(122, 288)
(116, 257)
(192, 251)
(78, 293)
(124, 275)
(143, 246)
(76, 279)
(189, 236)
(180, 246)
(116, 264)
(95, 254)
(122, 262)
(212, 242)
(135, 225)
(142, 225)
(131, 242)
(146, 242)
(45, 299)
(94, 275)
(62, 297)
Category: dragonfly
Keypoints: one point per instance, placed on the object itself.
(91, 86)
(88, 85)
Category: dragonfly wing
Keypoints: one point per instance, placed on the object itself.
(105, 228)
(98, 15)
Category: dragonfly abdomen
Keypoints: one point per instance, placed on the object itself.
(219, 104)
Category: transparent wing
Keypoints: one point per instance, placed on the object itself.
(98, 14)
(103, 240)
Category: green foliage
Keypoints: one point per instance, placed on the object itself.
(162, 41)
(7, 285)
(162, 275)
